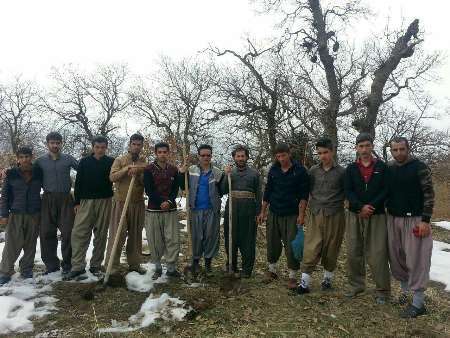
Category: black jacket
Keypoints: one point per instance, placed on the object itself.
(360, 193)
(21, 197)
(92, 181)
(284, 191)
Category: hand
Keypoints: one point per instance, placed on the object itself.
(261, 218)
(366, 211)
(4, 221)
(183, 168)
(227, 170)
(300, 220)
(76, 208)
(134, 170)
(165, 205)
(424, 229)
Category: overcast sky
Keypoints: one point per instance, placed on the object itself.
(38, 34)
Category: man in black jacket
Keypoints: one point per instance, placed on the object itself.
(366, 190)
(286, 194)
(93, 193)
(20, 206)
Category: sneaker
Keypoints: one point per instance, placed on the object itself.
(292, 284)
(270, 276)
(4, 279)
(301, 289)
(157, 274)
(173, 274)
(137, 269)
(96, 271)
(326, 284)
(26, 274)
(73, 274)
(412, 312)
(66, 272)
(353, 293)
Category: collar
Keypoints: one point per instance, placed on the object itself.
(57, 157)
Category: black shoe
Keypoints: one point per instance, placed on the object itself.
(48, 271)
(301, 290)
(4, 279)
(157, 274)
(137, 269)
(173, 274)
(96, 271)
(26, 274)
(73, 274)
(412, 312)
(326, 284)
(208, 268)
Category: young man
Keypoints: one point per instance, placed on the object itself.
(366, 190)
(246, 196)
(20, 206)
(204, 192)
(57, 205)
(326, 219)
(93, 193)
(122, 170)
(286, 195)
(161, 221)
(410, 206)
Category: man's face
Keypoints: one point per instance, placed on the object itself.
(162, 154)
(24, 160)
(364, 149)
(136, 146)
(283, 158)
(399, 151)
(240, 158)
(99, 149)
(204, 157)
(54, 146)
(325, 155)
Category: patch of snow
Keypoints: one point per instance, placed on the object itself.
(443, 224)
(440, 264)
(144, 283)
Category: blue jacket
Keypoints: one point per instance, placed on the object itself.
(21, 197)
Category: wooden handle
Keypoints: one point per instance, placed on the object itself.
(187, 208)
(119, 230)
(230, 226)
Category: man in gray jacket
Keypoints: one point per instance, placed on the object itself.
(57, 205)
(204, 182)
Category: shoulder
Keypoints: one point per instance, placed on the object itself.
(12, 173)
(299, 168)
(68, 157)
(110, 159)
(340, 169)
(217, 172)
(313, 168)
(351, 166)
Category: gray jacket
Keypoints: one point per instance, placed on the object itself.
(57, 172)
(18, 196)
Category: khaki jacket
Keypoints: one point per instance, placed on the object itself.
(119, 176)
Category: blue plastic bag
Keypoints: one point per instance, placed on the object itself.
(298, 243)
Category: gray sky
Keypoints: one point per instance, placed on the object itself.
(38, 34)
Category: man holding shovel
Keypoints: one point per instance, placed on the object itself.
(246, 205)
(122, 170)
(204, 201)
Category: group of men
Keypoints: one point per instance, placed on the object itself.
(387, 223)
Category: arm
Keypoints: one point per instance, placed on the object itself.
(382, 194)
(74, 163)
(349, 190)
(303, 196)
(258, 192)
(5, 199)
(78, 183)
(426, 183)
(174, 190)
(117, 172)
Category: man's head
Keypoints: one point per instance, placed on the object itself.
(283, 154)
(325, 150)
(162, 151)
(99, 146)
(204, 154)
(136, 144)
(54, 142)
(240, 156)
(24, 157)
(400, 149)
(364, 145)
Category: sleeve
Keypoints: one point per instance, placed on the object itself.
(73, 163)
(117, 171)
(78, 183)
(426, 184)
(268, 188)
(258, 192)
(224, 186)
(181, 182)
(380, 197)
(349, 190)
(303, 192)
(150, 189)
(223, 178)
(311, 179)
(174, 190)
(5, 199)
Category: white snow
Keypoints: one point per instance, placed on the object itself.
(144, 283)
(443, 224)
(440, 264)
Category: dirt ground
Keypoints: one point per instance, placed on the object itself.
(255, 309)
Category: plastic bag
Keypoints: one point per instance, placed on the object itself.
(298, 243)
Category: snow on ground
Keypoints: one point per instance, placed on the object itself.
(440, 264)
(443, 224)
(163, 307)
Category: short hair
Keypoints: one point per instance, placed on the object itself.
(100, 139)
(325, 142)
(53, 136)
(136, 137)
(24, 151)
(239, 148)
(204, 146)
(282, 148)
(161, 145)
(399, 139)
(363, 137)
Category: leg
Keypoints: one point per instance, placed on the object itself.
(212, 233)
(288, 227)
(155, 237)
(67, 217)
(246, 238)
(81, 234)
(313, 243)
(103, 212)
(333, 233)
(14, 242)
(273, 238)
(172, 238)
(355, 253)
(31, 232)
(116, 212)
(136, 214)
(397, 257)
(48, 232)
(226, 233)
(197, 234)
